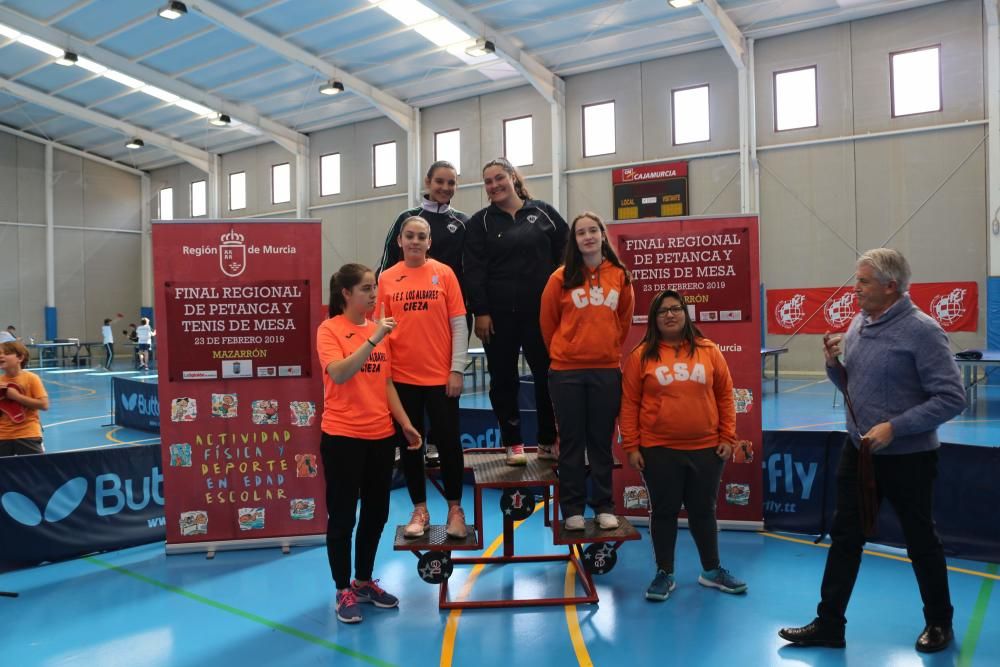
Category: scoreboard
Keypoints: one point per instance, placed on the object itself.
(657, 190)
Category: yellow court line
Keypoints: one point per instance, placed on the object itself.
(451, 626)
(902, 559)
(86, 390)
(573, 621)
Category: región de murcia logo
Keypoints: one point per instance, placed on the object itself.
(232, 253)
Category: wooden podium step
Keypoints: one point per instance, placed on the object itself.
(591, 533)
(436, 539)
(491, 469)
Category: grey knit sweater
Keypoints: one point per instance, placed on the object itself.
(901, 370)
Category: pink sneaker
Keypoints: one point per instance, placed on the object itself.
(456, 523)
(419, 521)
(516, 456)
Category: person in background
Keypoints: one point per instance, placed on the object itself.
(902, 382)
(511, 248)
(678, 424)
(585, 315)
(144, 342)
(108, 339)
(358, 445)
(428, 353)
(22, 395)
(8, 334)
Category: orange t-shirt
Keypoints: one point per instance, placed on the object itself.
(679, 401)
(358, 408)
(585, 327)
(423, 301)
(32, 387)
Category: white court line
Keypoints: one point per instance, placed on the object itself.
(81, 419)
(119, 444)
(145, 377)
(70, 370)
(114, 373)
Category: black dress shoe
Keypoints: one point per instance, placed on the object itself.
(935, 638)
(814, 634)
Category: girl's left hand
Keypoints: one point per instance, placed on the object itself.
(724, 451)
(412, 436)
(454, 387)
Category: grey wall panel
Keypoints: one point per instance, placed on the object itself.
(8, 177)
(67, 194)
(179, 177)
(10, 286)
(590, 191)
(829, 50)
(30, 181)
(661, 77)
(31, 282)
(360, 159)
(241, 161)
(110, 197)
(956, 26)
(265, 157)
(714, 185)
(462, 115)
(336, 140)
(111, 282)
(623, 86)
(71, 282)
(515, 103)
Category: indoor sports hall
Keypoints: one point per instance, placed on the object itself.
(181, 183)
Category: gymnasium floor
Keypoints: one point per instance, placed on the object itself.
(136, 607)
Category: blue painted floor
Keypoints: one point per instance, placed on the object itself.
(136, 607)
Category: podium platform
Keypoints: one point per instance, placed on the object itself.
(520, 486)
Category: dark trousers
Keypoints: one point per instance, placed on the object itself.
(109, 354)
(586, 404)
(691, 477)
(514, 332)
(907, 482)
(442, 413)
(21, 446)
(355, 469)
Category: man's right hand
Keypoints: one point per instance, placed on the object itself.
(832, 347)
(484, 328)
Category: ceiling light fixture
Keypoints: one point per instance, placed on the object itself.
(677, 4)
(331, 87)
(67, 59)
(135, 142)
(173, 10)
(482, 47)
(221, 120)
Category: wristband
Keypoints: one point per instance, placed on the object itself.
(370, 342)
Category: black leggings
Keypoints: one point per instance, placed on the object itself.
(442, 412)
(355, 469)
(691, 477)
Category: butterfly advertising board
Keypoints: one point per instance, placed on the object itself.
(237, 304)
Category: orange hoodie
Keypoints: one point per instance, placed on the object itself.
(677, 402)
(585, 327)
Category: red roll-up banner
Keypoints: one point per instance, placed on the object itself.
(816, 310)
(715, 263)
(237, 305)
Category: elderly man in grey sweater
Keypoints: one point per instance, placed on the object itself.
(902, 383)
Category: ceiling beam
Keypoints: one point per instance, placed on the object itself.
(396, 109)
(727, 31)
(544, 80)
(281, 134)
(194, 156)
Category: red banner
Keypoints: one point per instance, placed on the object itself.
(714, 263)
(239, 303)
(816, 310)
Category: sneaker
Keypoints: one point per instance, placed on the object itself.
(347, 607)
(431, 457)
(722, 579)
(607, 521)
(575, 522)
(548, 452)
(456, 523)
(371, 592)
(419, 521)
(662, 586)
(516, 456)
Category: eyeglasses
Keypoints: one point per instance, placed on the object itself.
(673, 310)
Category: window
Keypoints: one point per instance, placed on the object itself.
(691, 123)
(795, 99)
(237, 190)
(598, 129)
(915, 80)
(517, 141)
(329, 175)
(281, 183)
(384, 164)
(447, 146)
(167, 204)
(199, 199)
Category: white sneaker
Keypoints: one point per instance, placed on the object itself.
(419, 521)
(516, 456)
(575, 522)
(548, 452)
(607, 521)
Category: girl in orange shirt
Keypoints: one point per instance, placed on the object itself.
(359, 438)
(22, 395)
(678, 423)
(585, 315)
(428, 363)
